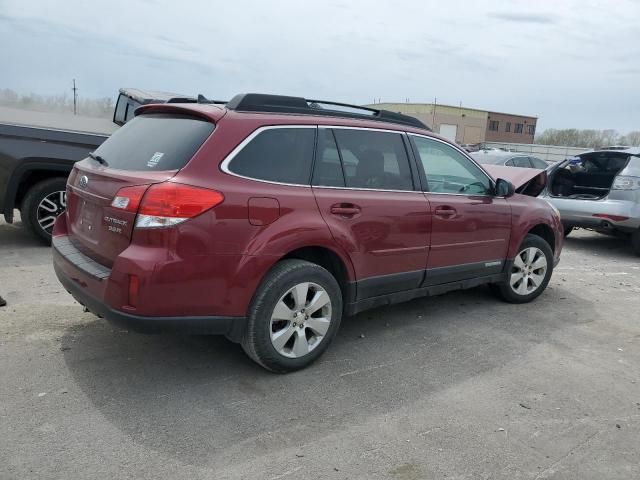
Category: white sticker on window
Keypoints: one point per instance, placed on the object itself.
(155, 159)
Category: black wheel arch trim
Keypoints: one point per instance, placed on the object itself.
(57, 167)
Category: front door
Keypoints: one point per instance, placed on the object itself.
(365, 191)
(471, 227)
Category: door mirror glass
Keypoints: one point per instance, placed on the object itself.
(504, 188)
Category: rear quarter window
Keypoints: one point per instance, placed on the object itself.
(155, 142)
(282, 155)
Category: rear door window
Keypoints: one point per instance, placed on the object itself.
(537, 163)
(373, 159)
(522, 162)
(282, 155)
(155, 142)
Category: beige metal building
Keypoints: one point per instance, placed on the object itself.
(468, 125)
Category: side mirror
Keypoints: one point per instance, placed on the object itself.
(504, 188)
(119, 113)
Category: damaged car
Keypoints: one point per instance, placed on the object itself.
(597, 190)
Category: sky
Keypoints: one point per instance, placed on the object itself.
(573, 64)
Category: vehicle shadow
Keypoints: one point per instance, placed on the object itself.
(13, 235)
(193, 397)
(616, 248)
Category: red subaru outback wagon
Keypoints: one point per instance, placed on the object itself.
(268, 218)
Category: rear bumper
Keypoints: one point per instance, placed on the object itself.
(580, 213)
(232, 327)
(103, 291)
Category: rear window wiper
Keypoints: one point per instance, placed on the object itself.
(99, 159)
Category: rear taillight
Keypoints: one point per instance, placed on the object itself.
(626, 183)
(128, 198)
(166, 204)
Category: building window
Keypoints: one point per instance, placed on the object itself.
(493, 125)
(531, 129)
(519, 127)
(507, 127)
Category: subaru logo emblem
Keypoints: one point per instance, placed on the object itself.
(84, 181)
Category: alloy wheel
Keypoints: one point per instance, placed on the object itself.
(529, 271)
(49, 208)
(300, 320)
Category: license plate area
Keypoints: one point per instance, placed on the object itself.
(88, 218)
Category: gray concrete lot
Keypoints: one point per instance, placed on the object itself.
(459, 386)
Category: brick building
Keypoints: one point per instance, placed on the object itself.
(469, 125)
(509, 128)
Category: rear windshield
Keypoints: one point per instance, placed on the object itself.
(155, 142)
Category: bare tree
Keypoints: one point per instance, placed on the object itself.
(63, 103)
(631, 138)
(572, 137)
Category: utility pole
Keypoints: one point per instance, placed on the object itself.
(433, 120)
(75, 96)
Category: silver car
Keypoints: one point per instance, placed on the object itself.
(509, 159)
(599, 190)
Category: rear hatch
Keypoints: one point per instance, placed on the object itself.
(149, 149)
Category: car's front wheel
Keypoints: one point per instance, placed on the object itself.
(293, 317)
(530, 272)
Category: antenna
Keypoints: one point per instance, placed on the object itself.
(75, 96)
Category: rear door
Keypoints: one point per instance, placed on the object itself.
(471, 228)
(149, 149)
(364, 187)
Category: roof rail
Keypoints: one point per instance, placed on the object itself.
(259, 102)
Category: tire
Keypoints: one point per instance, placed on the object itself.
(635, 242)
(43, 202)
(279, 344)
(567, 231)
(532, 284)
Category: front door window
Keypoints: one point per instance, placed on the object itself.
(448, 171)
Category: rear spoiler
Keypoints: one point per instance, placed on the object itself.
(210, 114)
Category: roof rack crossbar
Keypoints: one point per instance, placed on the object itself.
(258, 102)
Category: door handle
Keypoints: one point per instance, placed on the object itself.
(445, 212)
(345, 209)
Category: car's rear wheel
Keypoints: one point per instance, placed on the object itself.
(42, 204)
(293, 317)
(635, 242)
(530, 272)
